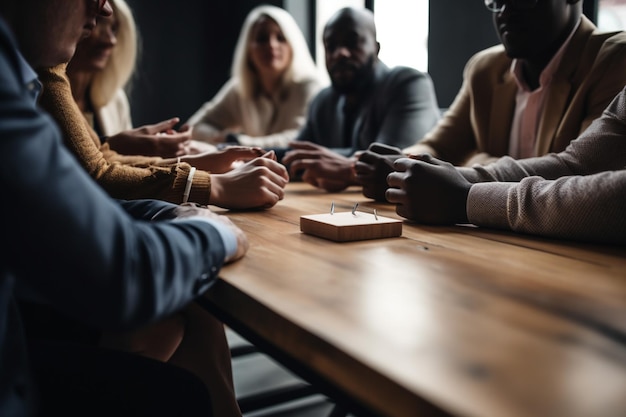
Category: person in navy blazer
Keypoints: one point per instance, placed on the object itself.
(142, 259)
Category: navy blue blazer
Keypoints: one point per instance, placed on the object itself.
(68, 244)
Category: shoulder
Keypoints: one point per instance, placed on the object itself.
(231, 91)
(612, 39)
(489, 58)
(401, 82)
(602, 50)
(403, 74)
(307, 87)
(325, 95)
(595, 43)
(232, 86)
(325, 101)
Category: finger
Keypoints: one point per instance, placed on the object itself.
(278, 170)
(274, 188)
(300, 165)
(309, 178)
(331, 186)
(369, 157)
(250, 150)
(270, 155)
(162, 126)
(395, 179)
(425, 157)
(403, 164)
(383, 149)
(178, 138)
(242, 153)
(304, 145)
(362, 168)
(395, 195)
(299, 154)
(270, 199)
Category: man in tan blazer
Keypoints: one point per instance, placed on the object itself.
(553, 74)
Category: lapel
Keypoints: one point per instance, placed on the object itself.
(368, 111)
(559, 92)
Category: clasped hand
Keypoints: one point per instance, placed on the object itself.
(319, 166)
(259, 183)
(372, 169)
(428, 190)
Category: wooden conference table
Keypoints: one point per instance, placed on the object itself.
(455, 321)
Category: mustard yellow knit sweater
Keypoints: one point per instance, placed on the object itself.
(123, 177)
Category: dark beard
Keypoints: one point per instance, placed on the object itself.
(362, 77)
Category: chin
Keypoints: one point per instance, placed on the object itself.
(60, 58)
(342, 87)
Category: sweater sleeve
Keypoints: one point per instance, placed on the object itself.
(586, 208)
(123, 177)
(576, 194)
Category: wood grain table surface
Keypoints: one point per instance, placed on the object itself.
(458, 321)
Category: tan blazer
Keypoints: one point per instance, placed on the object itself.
(477, 126)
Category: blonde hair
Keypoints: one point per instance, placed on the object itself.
(121, 65)
(302, 66)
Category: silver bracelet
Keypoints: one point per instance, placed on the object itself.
(192, 171)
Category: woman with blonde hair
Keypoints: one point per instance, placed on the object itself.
(100, 74)
(273, 78)
(103, 87)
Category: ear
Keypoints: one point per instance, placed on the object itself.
(377, 47)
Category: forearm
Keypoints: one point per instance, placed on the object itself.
(204, 132)
(275, 140)
(128, 272)
(586, 208)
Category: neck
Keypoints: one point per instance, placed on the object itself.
(269, 84)
(533, 66)
(80, 82)
(532, 71)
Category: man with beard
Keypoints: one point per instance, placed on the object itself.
(367, 102)
(553, 74)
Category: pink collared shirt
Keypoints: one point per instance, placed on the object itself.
(529, 105)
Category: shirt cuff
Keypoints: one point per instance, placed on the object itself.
(228, 236)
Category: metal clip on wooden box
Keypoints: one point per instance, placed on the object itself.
(350, 225)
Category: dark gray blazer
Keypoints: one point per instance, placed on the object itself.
(398, 109)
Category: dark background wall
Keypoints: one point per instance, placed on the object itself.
(457, 30)
(188, 47)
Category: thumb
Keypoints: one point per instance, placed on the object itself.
(428, 158)
(384, 149)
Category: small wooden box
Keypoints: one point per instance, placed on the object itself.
(345, 226)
